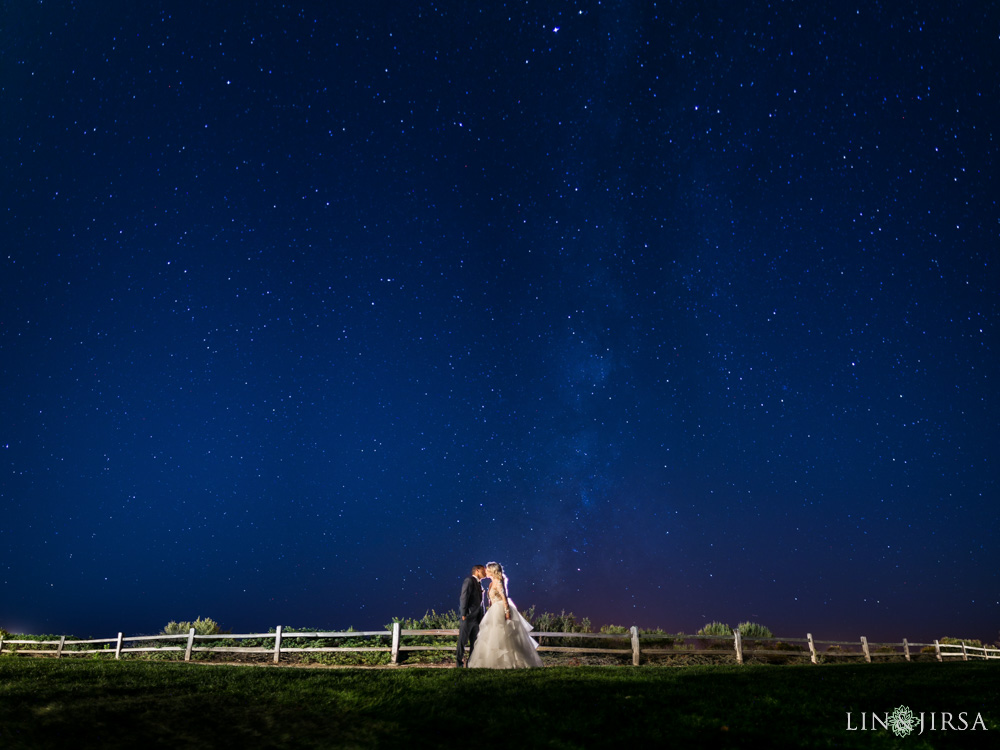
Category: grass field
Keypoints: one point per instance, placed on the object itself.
(46, 703)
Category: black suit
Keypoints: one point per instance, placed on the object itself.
(470, 609)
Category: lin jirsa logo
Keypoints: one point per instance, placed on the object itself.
(903, 722)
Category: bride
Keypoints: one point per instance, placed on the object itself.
(503, 641)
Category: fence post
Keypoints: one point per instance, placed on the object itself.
(937, 649)
(118, 647)
(965, 654)
(277, 644)
(906, 649)
(62, 642)
(739, 646)
(864, 647)
(1, 644)
(395, 643)
(635, 645)
(812, 649)
(190, 645)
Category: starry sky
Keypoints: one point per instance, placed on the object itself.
(682, 311)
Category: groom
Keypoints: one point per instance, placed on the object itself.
(470, 609)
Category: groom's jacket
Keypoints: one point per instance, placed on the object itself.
(470, 604)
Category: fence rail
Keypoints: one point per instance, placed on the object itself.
(966, 652)
(679, 644)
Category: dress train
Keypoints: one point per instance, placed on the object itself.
(504, 644)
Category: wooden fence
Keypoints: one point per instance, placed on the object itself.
(632, 643)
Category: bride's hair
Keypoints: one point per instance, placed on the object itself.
(495, 571)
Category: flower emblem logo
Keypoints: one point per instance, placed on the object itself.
(902, 721)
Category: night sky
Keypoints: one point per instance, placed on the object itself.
(682, 311)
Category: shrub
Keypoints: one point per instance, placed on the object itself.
(431, 620)
(564, 622)
(959, 641)
(615, 629)
(753, 630)
(716, 628)
(206, 626)
(549, 622)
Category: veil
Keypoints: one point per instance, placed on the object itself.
(506, 582)
(506, 591)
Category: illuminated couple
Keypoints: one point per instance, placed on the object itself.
(498, 637)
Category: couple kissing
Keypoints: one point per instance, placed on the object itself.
(497, 636)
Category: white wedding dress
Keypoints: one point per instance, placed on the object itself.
(503, 643)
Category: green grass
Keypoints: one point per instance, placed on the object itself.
(46, 703)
